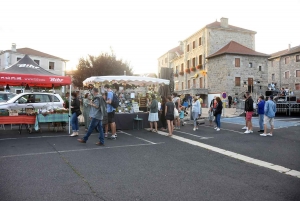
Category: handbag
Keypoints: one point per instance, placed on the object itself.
(176, 114)
(78, 112)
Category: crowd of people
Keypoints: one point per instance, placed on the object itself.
(266, 112)
(99, 113)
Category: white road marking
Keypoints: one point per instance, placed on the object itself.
(138, 137)
(201, 137)
(78, 150)
(241, 157)
(227, 130)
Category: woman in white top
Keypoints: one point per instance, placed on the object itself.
(196, 111)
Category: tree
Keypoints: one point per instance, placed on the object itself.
(101, 65)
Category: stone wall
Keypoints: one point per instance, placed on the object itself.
(218, 38)
(221, 73)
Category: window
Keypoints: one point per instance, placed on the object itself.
(194, 62)
(182, 86)
(189, 84)
(194, 44)
(181, 67)
(194, 83)
(297, 73)
(287, 74)
(200, 59)
(188, 63)
(176, 86)
(188, 48)
(162, 61)
(176, 69)
(201, 82)
(272, 64)
(55, 98)
(200, 42)
(237, 62)
(18, 58)
(250, 65)
(286, 60)
(297, 58)
(297, 86)
(44, 98)
(237, 81)
(273, 77)
(259, 68)
(166, 60)
(37, 62)
(51, 65)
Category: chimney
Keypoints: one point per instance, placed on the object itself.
(13, 47)
(289, 47)
(181, 46)
(224, 22)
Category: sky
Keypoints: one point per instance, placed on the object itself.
(138, 31)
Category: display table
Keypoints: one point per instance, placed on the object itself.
(21, 120)
(57, 120)
(53, 118)
(124, 120)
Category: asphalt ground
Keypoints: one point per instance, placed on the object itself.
(141, 165)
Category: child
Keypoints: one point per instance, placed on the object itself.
(210, 116)
(181, 116)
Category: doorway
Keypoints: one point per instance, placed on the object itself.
(250, 85)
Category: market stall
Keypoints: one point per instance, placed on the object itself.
(28, 73)
(134, 105)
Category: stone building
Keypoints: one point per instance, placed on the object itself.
(192, 69)
(284, 69)
(235, 69)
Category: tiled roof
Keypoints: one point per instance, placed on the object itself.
(293, 50)
(217, 25)
(235, 48)
(176, 49)
(33, 52)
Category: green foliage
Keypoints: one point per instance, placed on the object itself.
(101, 65)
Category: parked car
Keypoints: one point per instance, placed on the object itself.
(5, 96)
(34, 100)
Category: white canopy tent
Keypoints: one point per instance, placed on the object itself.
(123, 79)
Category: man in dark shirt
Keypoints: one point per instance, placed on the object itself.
(249, 112)
(229, 101)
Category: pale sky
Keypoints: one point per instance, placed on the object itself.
(138, 31)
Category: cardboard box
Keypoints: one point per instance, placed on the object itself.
(13, 113)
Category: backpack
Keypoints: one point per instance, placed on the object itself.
(115, 101)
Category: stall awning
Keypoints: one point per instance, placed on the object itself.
(132, 80)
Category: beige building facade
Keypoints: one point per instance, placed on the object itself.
(193, 73)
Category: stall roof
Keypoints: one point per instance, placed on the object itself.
(133, 80)
(26, 71)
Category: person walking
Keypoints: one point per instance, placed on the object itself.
(270, 110)
(249, 112)
(96, 114)
(75, 111)
(86, 110)
(153, 115)
(176, 101)
(196, 111)
(163, 113)
(105, 117)
(261, 112)
(111, 112)
(213, 105)
(169, 113)
(217, 113)
(229, 101)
